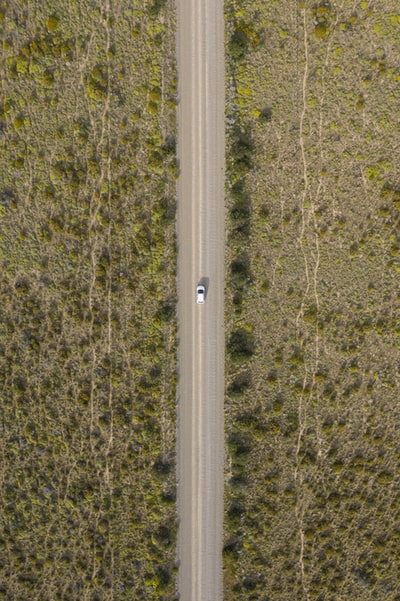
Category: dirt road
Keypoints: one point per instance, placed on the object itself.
(201, 328)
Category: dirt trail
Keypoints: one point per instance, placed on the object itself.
(201, 243)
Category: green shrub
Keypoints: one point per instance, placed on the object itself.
(241, 345)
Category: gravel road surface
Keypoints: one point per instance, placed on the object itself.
(201, 240)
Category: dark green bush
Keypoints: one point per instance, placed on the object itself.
(239, 43)
(241, 344)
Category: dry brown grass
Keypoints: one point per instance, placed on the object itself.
(312, 508)
(87, 333)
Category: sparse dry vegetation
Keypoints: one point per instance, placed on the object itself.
(87, 293)
(312, 413)
(87, 331)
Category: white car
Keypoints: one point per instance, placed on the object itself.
(200, 294)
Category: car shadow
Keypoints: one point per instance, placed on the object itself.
(206, 283)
